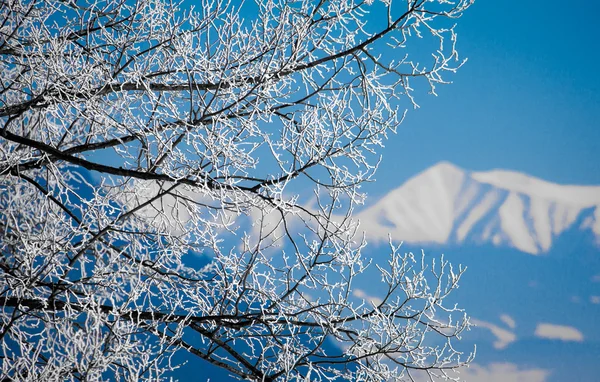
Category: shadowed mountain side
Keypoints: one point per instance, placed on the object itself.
(448, 205)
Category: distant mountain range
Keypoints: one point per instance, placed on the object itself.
(448, 205)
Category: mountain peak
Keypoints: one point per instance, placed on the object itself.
(444, 170)
(445, 166)
(441, 175)
(521, 183)
(445, 204)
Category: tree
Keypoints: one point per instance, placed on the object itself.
(151, 162)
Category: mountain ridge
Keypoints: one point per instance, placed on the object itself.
(448, 205)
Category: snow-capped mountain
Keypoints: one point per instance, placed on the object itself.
(448, 205)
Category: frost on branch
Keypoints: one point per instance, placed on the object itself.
(151, 161)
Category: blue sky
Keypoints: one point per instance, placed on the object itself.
(528, 98)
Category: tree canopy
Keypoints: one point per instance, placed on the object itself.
(183, 179)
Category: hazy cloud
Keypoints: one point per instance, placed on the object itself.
(596, 278)
(359, 293)
(558, 332)
(508, 320)
(503, 372)
(595, 299)
(503, 337)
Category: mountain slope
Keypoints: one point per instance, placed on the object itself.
(448, 205)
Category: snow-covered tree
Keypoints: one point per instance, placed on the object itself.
(182, 179)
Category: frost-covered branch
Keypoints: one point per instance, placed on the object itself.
(152, 157)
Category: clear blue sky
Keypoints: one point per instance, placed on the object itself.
(528, 99)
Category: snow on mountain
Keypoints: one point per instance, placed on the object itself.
(448, 205)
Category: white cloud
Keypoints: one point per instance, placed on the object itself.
(595, 299)
(558, 332)
(509, 321)
(596, 278)
(363, 295)
(575, 299)
(502, 372)
(503, 337)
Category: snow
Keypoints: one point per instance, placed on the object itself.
(540, 214)
(418, 209)
(446, 203)
(592, 222)
(563, 217)
(476, 213)
(521, 183)
(596, 226)
(513, 223)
